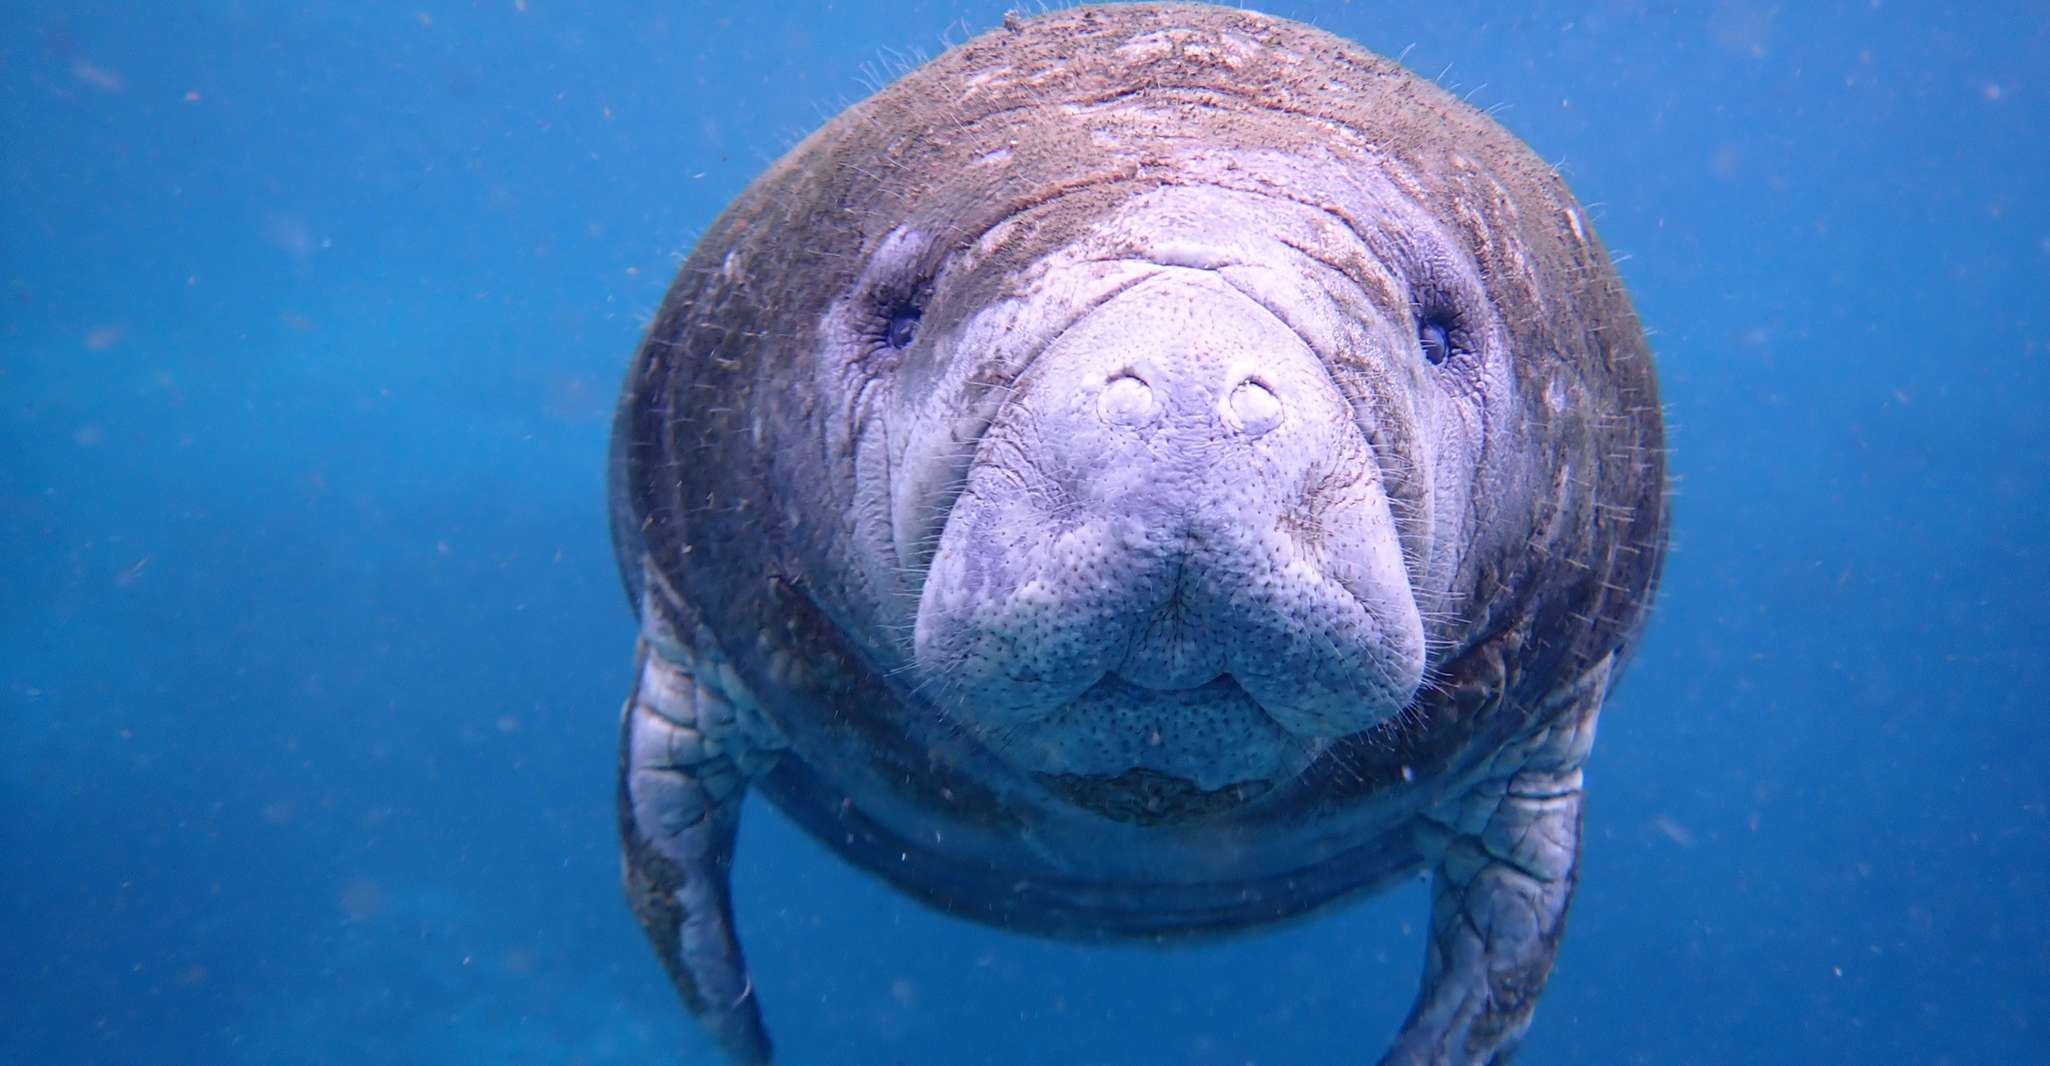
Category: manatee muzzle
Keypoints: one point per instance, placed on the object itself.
(1174, 552)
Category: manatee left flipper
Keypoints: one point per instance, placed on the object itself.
(684, 764)
(1499, 894)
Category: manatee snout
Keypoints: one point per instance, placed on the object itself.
(1174, 551)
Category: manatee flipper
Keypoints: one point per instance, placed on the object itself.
(683, 769)
(1499, 894)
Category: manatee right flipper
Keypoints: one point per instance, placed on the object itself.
(1499, 893)
(684, 764)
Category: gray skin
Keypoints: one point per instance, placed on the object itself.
(1151, 472)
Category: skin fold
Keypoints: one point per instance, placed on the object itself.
(1154, 471)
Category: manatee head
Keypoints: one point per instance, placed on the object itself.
(1178, 493)
(1151, 442)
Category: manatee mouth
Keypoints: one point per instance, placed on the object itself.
(1146, 798)
(1151, 756)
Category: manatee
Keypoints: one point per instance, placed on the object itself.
(1152, 472)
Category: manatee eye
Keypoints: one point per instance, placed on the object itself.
(887, 306)
(902, 326)
(1434, 335)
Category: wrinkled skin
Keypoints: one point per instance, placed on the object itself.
(1153, 471)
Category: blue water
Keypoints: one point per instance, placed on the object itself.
(312, 649)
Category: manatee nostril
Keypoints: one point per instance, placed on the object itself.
(1255, 408)
(1126, 401)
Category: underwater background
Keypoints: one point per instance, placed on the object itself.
(312, 647)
